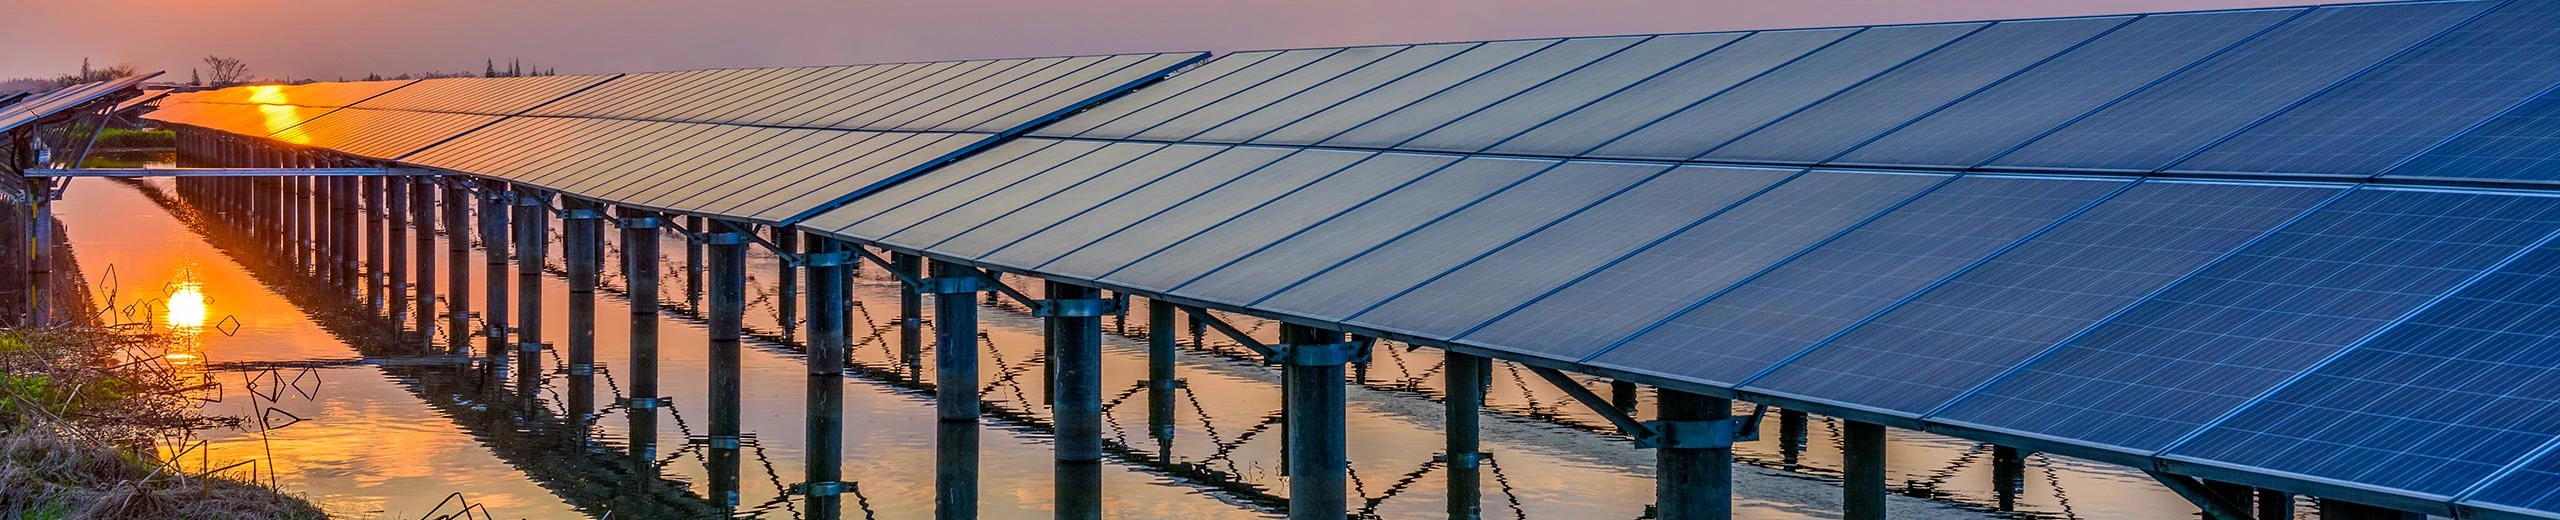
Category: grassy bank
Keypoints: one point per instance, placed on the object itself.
(126, 138)
(80, 411)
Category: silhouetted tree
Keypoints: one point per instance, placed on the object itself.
(492, 68)
(227, 71)
(194, 80)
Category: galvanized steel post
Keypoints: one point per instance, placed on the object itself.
(533, 237)
(1076, 326)
(1693, 482)
(422, 206)
(1464, 408)
(458, 257)
(728, 272)
(1313, 408)
(955, 341)
(375, 294)
(493, 241)
(1862, 471)
(826, 261)
(910, 313)
(788, 242)
(1160, 382)
(582, 238)
(395, 210)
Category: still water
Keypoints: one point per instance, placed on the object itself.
(344, 411)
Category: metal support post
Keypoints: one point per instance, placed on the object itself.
(1465, 405)
(1313, 408)
(1077, 336)
(533, 244)
(955, 341)
(1693, 481)
(583, 238)
(1862, 471)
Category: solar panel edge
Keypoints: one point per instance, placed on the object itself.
(1978, 91)
(1132, 85)
(1542, 83)
(2470, 497)
(1194, 197)
(1835, 94)
(2394, 169)
(1996, 157)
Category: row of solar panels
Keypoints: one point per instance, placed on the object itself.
(2385, 343)
(771, 145)
(2343, 90)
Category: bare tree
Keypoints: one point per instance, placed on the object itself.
(227, 71)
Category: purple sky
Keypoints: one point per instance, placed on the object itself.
(327, 39)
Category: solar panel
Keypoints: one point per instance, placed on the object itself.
(1266, 198)
(1826, 129)
(1116, 246)
(1729, 337)
(1484, 287)
(1340, 117)
(1180, 184)
(1781, 92)
(2432, 405)
(1272, 267)
(1263, 94)
(1293, 215)
(362, 132)
(1264, 118)
(2215, 341)
(2051, 94)
(2533, 487)
(2406, 105)
(1658, 281)
(1262, 71)
(1590, 126)
(1051, 195)
(1923, 353)
(1381, 272)
(1492, 123)
(2165, 122)
(1489, 89)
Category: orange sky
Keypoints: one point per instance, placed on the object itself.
(331, 38)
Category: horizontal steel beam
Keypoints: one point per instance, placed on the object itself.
(225, 172)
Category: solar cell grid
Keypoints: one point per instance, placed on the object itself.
(1272, 267)
(1263, 119)
(1077, 89)
(1499, 121)
(1825, 130)
(897, 196)
(1739, 110)
(1226, 217)
(2462, 389)
(1920, 354)
(1728, 338)
(888, 222)
(1260, 95)
(1484, 287)
(1610, 304)
(2217, 340)
(1096, 179)
(1333, 120)
(1190, 181)
(1143, 98)
(2533, 486)
(2167, 121)
(1113, 247)
(1489, 89)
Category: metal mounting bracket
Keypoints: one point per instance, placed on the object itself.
(1079, 308)
(1320, 355)
(638, 223)
(948, 285)
(1714, 434)
(817, 489)
(828, 259)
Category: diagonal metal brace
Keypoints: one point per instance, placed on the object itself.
(2214, 506)
(910, 281)
(1716, 434)
(1202, 316)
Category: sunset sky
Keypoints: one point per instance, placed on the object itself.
(327, 39)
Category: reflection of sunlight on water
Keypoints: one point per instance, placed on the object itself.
(186, 306)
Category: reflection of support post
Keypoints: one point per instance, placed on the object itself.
(640, 269)
(348, 241)
(2274, 505)
(533, 237)
(1694, 482)
(395, 210)
(826, 261)
(788, 305)
(1623, 394)
(955, 470)
(40, 270)
(1465, 403)
(1862, 471)
(693, 265)
(2008, 476)
(910, 312)
(2239, 496)
(728, 271)
(493, 241)
(582, 239)
(955, 341)
(1160, 382)
(374, 291)
(458, 257)
(422, 206)
(297, 214)
(1313, 408)
(1791, 436)
(1076, 322)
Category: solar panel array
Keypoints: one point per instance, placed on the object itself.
(1955, 227)
(1942, 226)
(772, 145)
(37, 106)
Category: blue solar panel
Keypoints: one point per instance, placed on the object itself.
(1709, 123)
(1178, 182)
(1612, 303)
(1270, 268)
(1923, 353)
(1257, 96)
(1273, 197)
(925, 185)
(1591, 126)
(1730, 337)
(2433, 405)
(1205, 94)
(2406, 105)
(1482, 91)
(1404, 91)
(1265, 118)
(1409, 260)
(2533, 487)
(2213, 342)
(1500, 121)
(2165, 122)
(1184, 216)
(1140, 99)
(2522, 145)
(1833, 126)
(1290, 216)
(1005, 213)
(925, 206)
(1487, 286)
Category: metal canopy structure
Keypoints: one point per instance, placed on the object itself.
(39, 106)
(2303, 249)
